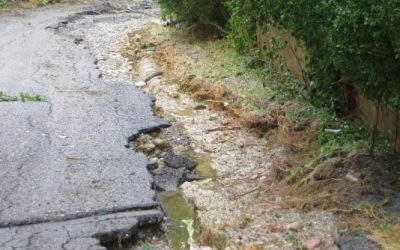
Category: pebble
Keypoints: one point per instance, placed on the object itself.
(140, 83)
(313, 244)
(147, 147)
(351, 178)
(205, 248)
(293, 226)
(161, 163)
(137, 37)
(158, 142)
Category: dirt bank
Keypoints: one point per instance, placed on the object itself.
(247, 206)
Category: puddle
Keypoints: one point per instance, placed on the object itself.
(178, 211)
(188, 111)
(205, 163)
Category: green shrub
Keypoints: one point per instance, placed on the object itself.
(3, 3)
(206, 12)
(349, 42)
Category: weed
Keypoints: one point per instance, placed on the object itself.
(23, 97)
(296, 175)
(175, 96)
(26, 97)
(256, 195)
(290, 239)
(372, 211)
(146, 246)
(349, 138)
(386, 227)
(300, 113)
(7, 98)
(200, 107)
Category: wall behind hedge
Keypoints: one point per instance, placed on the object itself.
(349, 42)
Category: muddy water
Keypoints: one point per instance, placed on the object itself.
(205, 163)
(176, 206)
(179, 211)
(181, 226)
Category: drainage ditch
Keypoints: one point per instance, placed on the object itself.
(172, 161)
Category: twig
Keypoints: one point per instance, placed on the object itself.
(218, 27)
(341, 210)
(222, 128)
(246, 193)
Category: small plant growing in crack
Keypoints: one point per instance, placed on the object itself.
(26, 97)
(23, 97)
(7, 98)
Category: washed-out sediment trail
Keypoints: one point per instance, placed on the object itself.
(227, 209)
(67, 179)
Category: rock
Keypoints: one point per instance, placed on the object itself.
(152, 75)
(148, 147)
(334, 131)
(206, 248)
(213, 117)
(295, 226)
(137, 37)
(148, 70)
(114, 5)
(394, 205)
(355, 241)
(140, 83)
(192, 177)
(159, 142)
(155, 81)
(312, 244)
(351, 178)
(161, 163)
(153, 164)
(175, 161)
(168, 179)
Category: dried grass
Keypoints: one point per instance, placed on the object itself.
(297, 137)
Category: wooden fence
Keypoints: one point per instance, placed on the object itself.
(294, 55)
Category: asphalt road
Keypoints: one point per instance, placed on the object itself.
(67, 180)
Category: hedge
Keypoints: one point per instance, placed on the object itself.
(350, 42)
(205, 12)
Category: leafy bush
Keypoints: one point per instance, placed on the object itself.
(205, 12)
(349, 42)
(3, 4)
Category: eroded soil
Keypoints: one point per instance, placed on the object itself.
(246, 207)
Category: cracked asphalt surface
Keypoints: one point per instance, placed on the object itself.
(67, 180)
